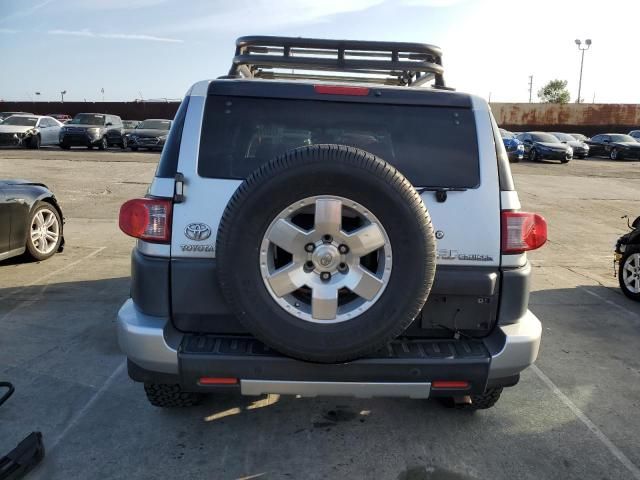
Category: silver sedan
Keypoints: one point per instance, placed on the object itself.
(29, 131)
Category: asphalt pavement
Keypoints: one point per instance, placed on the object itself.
(573, 415)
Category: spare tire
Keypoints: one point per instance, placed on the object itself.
(326, 253)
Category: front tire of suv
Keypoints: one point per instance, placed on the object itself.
(124, 143)
(629, 273)
(104, 144)
(170, 396)
(533, 155)
(326, 253)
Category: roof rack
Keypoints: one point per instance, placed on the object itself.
(387, 63)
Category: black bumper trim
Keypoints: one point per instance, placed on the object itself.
(402, 361)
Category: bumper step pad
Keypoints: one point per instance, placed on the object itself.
(403, 360)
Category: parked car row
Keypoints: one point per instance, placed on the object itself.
(89, 130)
(537, 146)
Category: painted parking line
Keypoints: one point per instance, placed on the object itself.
(51, 274)
(87, 406)
(615, 451)
(610, 302)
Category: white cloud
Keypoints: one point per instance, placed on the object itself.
(121, 36)
(430, 3)
(8, 30)
(262, 15)
(26, 12)
(114, 4)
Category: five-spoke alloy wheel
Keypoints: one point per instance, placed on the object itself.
(45, 231)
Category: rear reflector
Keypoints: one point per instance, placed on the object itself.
(450, 384)
(339, 90)
(147, 219)
(217, 381)
(522, 231)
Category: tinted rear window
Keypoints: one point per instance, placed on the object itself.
(431, 146)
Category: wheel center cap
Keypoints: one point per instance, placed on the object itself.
(326, 257)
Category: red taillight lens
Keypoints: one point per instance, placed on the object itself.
(450, 384)
(340, 90)
(217, 381)
(522, 231)
(147, 219)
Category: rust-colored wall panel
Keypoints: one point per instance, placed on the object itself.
(126, 110)
(585, 118)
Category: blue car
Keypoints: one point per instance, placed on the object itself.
(514, 147)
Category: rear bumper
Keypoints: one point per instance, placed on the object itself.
(158, 353)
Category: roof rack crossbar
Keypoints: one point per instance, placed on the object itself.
(402, 63)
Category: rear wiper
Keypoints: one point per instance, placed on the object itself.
(441, 192)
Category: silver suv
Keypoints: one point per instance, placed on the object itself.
(330, 219)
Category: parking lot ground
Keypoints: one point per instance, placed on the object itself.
(574, 415)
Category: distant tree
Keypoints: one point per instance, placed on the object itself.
(554, 92)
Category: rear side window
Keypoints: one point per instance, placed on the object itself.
(431, 146)
(168, 165)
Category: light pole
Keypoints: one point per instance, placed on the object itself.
(587, 43)
(62, 94)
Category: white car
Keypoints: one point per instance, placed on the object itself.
(29, 131)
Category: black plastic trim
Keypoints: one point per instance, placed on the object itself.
(300, 90)
(168, 165)
(514, 294)
(504, 167)
(402, 361)
(150, 284)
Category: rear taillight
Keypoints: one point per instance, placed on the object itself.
(147, 219)
(522, 231)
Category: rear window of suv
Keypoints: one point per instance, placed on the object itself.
(431, 146)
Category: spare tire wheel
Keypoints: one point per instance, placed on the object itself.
(326, 253)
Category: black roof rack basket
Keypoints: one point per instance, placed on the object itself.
(389, 63)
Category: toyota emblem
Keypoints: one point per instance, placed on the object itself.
(197, 231)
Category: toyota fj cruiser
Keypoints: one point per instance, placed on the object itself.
(330, 219)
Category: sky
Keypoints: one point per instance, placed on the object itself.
(154, 49)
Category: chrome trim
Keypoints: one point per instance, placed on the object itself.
(336, 389)
(141, 338)
(514, 347)
(153, 249)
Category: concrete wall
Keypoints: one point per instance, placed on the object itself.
(584, 118)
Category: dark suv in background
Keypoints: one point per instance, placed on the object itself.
(93, 130)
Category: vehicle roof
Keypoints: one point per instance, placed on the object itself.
(161, 119)
(30, 115)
